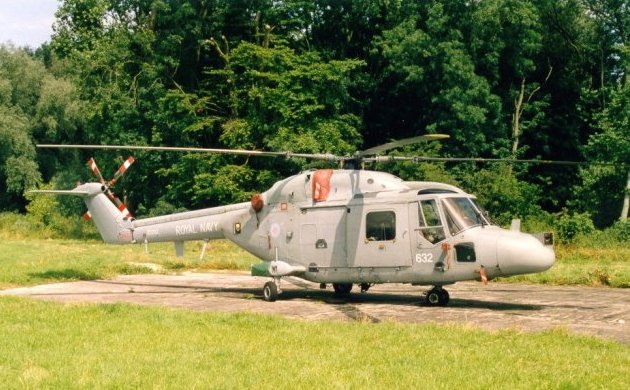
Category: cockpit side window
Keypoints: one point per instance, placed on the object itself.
(429, 220)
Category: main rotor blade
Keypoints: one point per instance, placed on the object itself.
(478, 159)
(60, 192)
(316, 156)
(400, 143)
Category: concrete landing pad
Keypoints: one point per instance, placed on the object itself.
(602, 312)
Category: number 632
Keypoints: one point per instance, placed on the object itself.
(424, 257)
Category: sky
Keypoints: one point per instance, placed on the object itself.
(27, 22)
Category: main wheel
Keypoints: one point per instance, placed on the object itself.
(342, 290)
(437, 297)
(446, 297)
(434, 297)
(270, 292)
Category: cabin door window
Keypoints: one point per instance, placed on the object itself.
(380, 226)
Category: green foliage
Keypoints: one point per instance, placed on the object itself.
(501, 193)
(426, 62)
(286, 101)
(19, 91)
(18, 226)
(326, 76)
(162, 207)
(59, 110)
(620, 231)
(540, 222)
(79, 24)
(18, 169)
(570, 226)
(34, 105)
(602, 189)
(45, 217)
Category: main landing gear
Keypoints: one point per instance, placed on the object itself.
(437, 296)
(271, 290)
(342, 290)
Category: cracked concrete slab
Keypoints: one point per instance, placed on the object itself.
(602, 312)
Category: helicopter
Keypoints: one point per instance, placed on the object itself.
(341, 227)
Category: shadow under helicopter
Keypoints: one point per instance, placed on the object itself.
(349, 306)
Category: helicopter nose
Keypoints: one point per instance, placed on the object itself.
(523, 254)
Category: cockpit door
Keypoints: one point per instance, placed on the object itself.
(428, 237)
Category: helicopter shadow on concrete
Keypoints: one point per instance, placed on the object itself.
(407, 299)
(396, 299)
(348, 306)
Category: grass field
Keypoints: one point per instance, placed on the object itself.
(28, 262)
(32, 261)
(50, 345)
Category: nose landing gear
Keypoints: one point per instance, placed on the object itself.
(437, 296)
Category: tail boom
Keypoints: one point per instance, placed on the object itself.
(116, 227)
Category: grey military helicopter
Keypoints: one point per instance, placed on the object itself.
(343, 227)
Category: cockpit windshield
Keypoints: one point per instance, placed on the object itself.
(484, 212)
(461, 214)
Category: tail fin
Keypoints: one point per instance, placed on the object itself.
(111, 223)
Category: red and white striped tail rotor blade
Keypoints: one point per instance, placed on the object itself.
(120, 205)
(121, 171)
(106, 185)
(92, 164)
(110, 195)
(123, 209)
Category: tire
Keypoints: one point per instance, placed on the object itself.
(437, 297)
(342, 290)
(434, 298)
(447, 297)
(270, 292)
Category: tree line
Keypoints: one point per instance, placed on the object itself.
(504, 78)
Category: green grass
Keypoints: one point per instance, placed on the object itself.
(33, 261)
(50, 345)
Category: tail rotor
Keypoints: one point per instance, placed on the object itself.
(107, 185)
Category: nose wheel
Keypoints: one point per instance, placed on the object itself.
(437, 296)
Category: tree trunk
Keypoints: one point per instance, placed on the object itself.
(518, 110)
(626, 202)
(516, 118)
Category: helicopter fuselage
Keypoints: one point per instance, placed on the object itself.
(354, 226)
